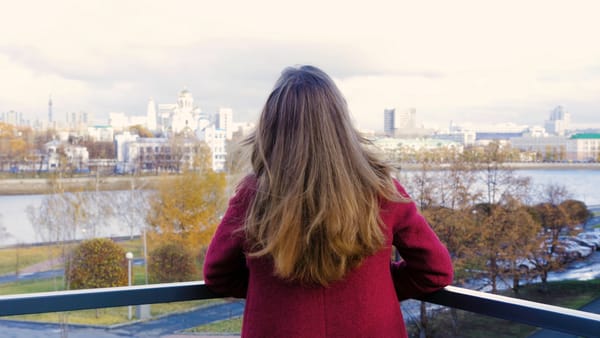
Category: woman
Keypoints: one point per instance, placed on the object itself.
(307, 239)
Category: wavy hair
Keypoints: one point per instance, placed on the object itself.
(316, 209)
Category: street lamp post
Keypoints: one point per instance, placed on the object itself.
(129, 257)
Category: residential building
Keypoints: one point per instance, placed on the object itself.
(584, 147)
(543, 147)
(215, 138)
(225, 121)
(101, 133)
(64, 156)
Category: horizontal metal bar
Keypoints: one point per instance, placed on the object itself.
(579, 323)
(536, 314)
(102, 297)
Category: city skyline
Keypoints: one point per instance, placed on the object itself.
(465, 61)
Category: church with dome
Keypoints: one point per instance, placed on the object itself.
(181, 117)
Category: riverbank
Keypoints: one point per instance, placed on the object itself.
(40, 186)
(33, 186)
(524, 166)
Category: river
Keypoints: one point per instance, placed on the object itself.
(583, 184)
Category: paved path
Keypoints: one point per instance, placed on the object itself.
(594, 307)
(181, 321)
(165, 327)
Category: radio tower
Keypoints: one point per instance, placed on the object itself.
(50, 109)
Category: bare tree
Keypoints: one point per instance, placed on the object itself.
(132, 207)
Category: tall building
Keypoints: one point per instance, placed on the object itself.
(13, 117)
(50, 110)
(389, 121)
(559, 121)
(151, 115)
(406, 119)
(225, 121)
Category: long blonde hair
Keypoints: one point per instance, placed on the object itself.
(316, 210)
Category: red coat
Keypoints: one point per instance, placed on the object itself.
(363, 304)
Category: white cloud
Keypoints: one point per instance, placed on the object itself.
(451, 60)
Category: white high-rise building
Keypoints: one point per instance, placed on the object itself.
(151, 115)
(406, 119)
(225, 121)
(559, 121)
(389, 121)
(118, 121)
(215, 139)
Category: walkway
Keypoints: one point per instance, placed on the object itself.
(165, 327)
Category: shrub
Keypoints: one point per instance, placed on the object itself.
(97, 263)
(171, 262)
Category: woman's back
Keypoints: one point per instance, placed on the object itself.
(307, 239)
(363, 304)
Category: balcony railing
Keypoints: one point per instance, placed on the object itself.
(556, 318)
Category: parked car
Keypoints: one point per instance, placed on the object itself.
(569, 249)
(590, 237)
(575, 249)
(524, 265)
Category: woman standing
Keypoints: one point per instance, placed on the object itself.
(307, 239)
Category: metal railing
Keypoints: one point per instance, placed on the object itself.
(536, 314)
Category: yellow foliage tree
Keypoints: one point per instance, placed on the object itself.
(187, 208)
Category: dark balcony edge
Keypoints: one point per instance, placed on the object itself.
(579, 323)
(536, 314)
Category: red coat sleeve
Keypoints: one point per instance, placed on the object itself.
(225, 270)
(425, 266)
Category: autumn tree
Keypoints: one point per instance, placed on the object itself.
(498, 214)
(16, 145)
(131, 207)
(420, 183)
(140, 130)
(576, 211)
(64, 216)
(550, 254)
(100, 150)
(498, 179)
(456, 229)
(171, 262)
(523, 241)
(97, 263)
(456, 185)
(186, 208)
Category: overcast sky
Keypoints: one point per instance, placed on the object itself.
(465, 61)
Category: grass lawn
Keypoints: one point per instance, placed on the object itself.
(106, 316)
(570, 294)
(110, 316)
(21, 256)
(17, 257)
(29, 255)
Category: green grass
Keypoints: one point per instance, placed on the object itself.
(107, 316)
(570, 294)
(18, 257)
(135, 246)
(110, 316)
(33, 286)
